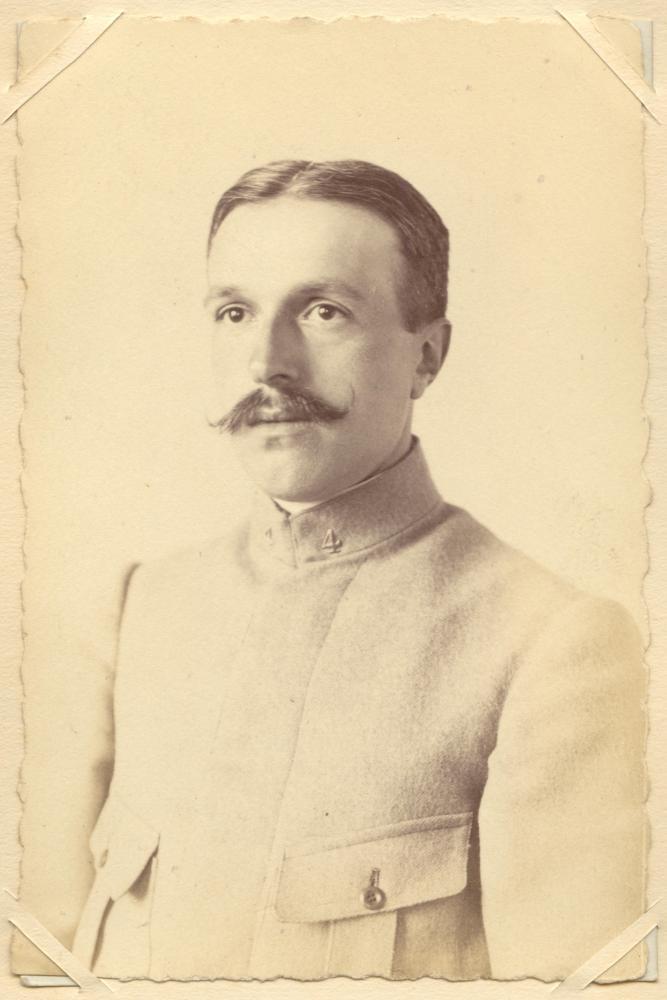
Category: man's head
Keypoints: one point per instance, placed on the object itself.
(328, 291)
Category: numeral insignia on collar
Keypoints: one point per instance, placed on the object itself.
(331, 541)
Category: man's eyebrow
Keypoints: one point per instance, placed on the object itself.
(223, 292)
(311, 289)
(328, 287)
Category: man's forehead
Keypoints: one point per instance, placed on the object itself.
(303, 240)
(306, 222)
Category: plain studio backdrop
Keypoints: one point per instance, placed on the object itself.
(521, 138)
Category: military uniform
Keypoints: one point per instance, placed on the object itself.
(367, 739)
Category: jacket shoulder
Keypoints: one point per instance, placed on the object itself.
(498, 584)
(173, 576)
(484, 566)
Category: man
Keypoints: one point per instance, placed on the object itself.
(359, 736)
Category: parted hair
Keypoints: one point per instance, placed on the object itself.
(424, 239)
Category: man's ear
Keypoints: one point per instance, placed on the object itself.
(434, 339)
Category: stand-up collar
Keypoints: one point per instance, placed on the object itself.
(357, 519)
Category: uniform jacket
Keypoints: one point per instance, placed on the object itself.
(367, 739)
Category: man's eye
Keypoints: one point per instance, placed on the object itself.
(230, 314)
(324, 311)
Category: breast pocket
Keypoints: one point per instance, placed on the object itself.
(359, 882)
(124, 847)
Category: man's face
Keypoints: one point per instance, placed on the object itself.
(304, 299)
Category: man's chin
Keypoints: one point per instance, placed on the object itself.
(294, 475)
(291, 472)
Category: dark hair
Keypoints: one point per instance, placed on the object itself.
(424, 238)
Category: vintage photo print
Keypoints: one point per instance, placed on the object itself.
(333, 348)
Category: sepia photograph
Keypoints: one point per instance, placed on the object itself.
(334, 360)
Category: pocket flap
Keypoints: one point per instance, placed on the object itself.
(410, 862)
(122, 844)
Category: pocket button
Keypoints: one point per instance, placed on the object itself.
(373, 898)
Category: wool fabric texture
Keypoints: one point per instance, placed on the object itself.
(374, 701)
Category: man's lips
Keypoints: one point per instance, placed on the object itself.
(280, 418)
(289, 407)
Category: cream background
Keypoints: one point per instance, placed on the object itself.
(534, 425)
(525, 500)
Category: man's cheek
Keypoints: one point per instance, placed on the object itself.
(232, 381)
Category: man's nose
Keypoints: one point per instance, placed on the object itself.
(276, 351)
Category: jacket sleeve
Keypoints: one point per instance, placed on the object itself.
(66, 773)
(562, 823)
